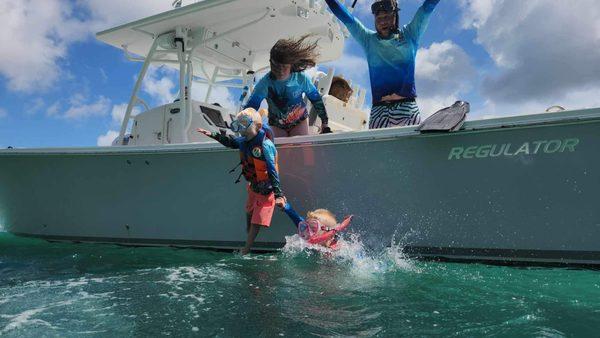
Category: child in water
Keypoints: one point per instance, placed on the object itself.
(320, 226)
(259, 167)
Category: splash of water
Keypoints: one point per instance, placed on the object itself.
(352, 252)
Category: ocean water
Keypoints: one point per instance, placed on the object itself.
(68, 290)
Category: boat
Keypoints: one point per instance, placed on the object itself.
(519, 189)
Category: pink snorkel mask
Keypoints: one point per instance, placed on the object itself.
(309, 230)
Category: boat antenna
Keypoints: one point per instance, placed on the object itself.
(177, 3)
(354, 3)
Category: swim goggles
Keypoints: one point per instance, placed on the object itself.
(241, 124)
(384, 6)
(309, 228)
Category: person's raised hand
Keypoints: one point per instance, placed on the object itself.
(281, 202)
(204, 131)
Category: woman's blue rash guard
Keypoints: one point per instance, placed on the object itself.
(391, 61)
(286, 104)
(246, 146)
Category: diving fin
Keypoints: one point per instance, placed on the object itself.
(446, 120)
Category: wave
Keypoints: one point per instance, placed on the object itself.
(352, 252)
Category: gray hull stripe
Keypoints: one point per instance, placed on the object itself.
(582, 257)
(158, 242)
(508, 254)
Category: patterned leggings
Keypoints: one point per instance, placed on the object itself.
(394, 115)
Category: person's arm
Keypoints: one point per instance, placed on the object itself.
(292, 214)
(355, 27)
(418, 25)
(226, 140)
(312, 93)
(259, 93)
(271, 159)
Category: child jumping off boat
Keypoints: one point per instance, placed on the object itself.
(259, 167)
(320, 226)
(283, 88)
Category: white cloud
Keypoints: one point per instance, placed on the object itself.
(545, 51)
(119, 110)
(432, 103)
(477, 13)
(3, 113)
(35, 36)
(443, 74)
(107, 139)
(573, 100)
(80, 108)
(353, 66)
(220, 95)
(159, 83)
(110, 13)
(444, 68)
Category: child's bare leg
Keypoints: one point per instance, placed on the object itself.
(254, 229)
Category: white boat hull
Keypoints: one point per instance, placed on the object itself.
(538, 205)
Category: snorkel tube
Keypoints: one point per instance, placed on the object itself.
(331, 233)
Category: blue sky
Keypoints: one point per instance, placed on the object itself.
(61, 87)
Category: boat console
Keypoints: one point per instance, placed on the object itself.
(223, 43)
(162, 125)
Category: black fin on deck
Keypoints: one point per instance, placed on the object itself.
(446, 120)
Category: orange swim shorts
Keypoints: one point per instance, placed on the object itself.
(261, 208)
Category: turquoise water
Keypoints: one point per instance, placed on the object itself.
(62, 289)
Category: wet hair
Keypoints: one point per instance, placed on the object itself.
(340, 89)
(300, 53)
(323, 215)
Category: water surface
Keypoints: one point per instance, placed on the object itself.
(64, 289)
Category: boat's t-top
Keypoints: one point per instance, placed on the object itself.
(222, 43)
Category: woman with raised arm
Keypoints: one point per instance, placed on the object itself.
(391, 53)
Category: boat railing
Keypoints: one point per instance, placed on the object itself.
(192, 50)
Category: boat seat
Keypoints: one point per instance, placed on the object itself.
(213, 117)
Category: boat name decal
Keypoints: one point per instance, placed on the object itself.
(508, 149)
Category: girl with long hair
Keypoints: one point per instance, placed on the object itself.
(283, 88)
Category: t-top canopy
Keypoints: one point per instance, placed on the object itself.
(233, 34)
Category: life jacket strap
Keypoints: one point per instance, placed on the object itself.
(234, 168)
(239, 178)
